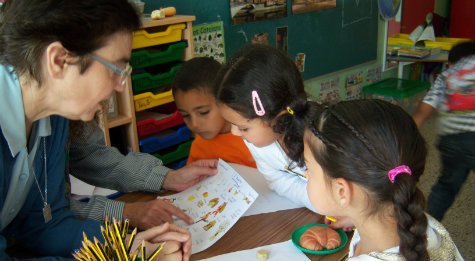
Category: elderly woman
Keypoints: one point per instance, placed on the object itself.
(59, 60)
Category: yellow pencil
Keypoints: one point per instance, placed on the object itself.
(95, 251)
(117, 254)
(125, 228)
(131, 240)
(134, 256)
(155, 253)
(120, 242)
(332, 219)
(88, 252)
(100, 248)
(143, 250)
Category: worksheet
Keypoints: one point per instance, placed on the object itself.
(215, 204)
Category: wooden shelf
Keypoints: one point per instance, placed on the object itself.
(119, 120)
(148, 22)
(125, 102)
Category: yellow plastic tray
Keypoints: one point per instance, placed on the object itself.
(444, 43)
(142, 38)
(148, 100)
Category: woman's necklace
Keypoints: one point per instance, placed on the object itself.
(46, 207)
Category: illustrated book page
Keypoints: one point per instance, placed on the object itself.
(215, 204)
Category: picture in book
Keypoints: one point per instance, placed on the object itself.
(215, 204)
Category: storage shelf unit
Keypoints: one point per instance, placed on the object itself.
(172, 39)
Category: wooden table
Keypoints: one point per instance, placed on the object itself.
(441, 57)
(257, 230)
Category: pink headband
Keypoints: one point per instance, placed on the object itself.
(255, 101)
(403, 169)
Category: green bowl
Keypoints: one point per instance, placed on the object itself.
(299, 231)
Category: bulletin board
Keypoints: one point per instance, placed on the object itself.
(332, 39)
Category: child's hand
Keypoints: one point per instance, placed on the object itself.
(344, 223)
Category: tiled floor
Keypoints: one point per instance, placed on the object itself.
(460, 219)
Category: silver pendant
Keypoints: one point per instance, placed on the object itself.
(47, 213)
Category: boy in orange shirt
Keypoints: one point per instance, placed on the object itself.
(194, 98)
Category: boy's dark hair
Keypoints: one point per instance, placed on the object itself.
(277, 81)
(29, 26)
(361, 141)
(197, 73)
(460, 51)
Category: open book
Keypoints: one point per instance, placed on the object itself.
(215, 204)
(423, 32)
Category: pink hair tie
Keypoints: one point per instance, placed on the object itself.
(398, 170)
(256, 100)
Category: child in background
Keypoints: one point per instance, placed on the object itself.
(456, 129)
(364, 159)
(261, 93)
(194, 98)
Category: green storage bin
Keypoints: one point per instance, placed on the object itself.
(143, 82)
(150, 57)
(402, 92)
(181, 152)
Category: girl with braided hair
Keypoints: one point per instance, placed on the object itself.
(261, 93)
(364, 160)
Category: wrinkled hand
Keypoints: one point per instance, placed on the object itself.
(344, 223)
(176, 248)
(181, 179)
(144, 215)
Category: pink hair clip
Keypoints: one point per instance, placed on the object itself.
(255, 100)
(403, 169)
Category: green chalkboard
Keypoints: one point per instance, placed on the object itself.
(332, 39)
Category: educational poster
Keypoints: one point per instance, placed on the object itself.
(281, 38)
(374, 75)
(305, 6)
(245, 11)
(215, 204)
(208, 41)
(330, 91)
(354, 84)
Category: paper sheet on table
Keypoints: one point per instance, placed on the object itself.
(283, 251)
(268, 200)
(215, 204)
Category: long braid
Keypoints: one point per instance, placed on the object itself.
(358, 135)
(409, 203)
(348, 154)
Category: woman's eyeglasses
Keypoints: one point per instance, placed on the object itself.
(124, 73)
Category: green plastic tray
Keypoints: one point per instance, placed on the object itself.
(145, 81)
(396, 88)
(150, 57)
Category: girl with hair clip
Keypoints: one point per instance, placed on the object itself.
(364, 160)
(261, 93)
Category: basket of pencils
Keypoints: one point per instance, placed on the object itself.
(117, 245)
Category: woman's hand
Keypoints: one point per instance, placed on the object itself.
(176, 248)
(181, 179)
(152, 213)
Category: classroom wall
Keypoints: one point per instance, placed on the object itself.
(312, 86)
